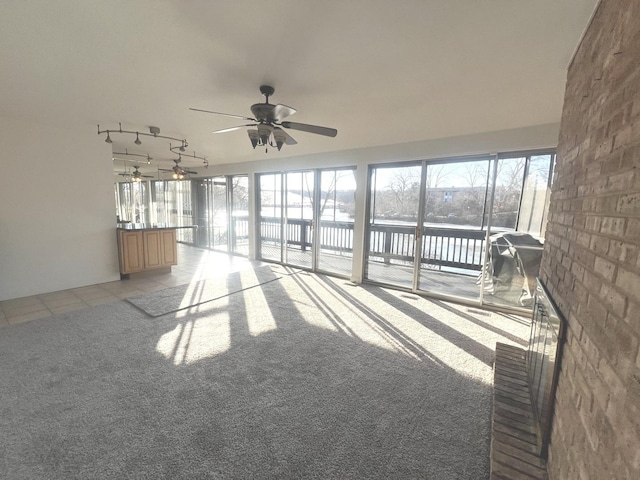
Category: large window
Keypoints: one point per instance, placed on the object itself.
(131, 202)
(167, 202)
(469, 228)
(222, 213)
(306, 218)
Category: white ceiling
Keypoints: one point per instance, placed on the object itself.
(380, 71)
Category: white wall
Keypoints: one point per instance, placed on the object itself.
(57, 210)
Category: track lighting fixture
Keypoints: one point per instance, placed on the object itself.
(177, 171)
(181, 148)
(153, 132)
(147, 156)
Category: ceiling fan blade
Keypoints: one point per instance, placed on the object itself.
(225, 114)
(288, 139)
(282, 111)
(191, 172)
(165, 170)
(224, 130)
(303, 127)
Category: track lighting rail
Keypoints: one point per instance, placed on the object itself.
(181, 153)
(153, 132)
(147, 156)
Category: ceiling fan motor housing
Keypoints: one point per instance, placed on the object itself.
(264, 112)
(267, 90)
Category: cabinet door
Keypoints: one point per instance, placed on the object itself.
(131, 252)
(169, 249)
(152, 249)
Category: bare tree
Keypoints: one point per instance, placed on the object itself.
(436, 175)
(405, 187)
(510, 175)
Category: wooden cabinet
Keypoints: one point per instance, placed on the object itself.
(142, 250)
(169, 247)
(130, 251)
(159, 248)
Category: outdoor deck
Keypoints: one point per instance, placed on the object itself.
(451, 258)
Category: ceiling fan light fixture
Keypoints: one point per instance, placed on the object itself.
(279, 137)
(254, 137)
(264, 131)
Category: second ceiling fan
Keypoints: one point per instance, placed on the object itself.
(268, 120)
(178, 173)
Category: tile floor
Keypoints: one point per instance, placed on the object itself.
(193, 264)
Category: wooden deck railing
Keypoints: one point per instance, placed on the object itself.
(441, 247)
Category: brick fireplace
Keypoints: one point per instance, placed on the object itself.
(591, 261)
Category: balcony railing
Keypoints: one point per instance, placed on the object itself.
(441, 247)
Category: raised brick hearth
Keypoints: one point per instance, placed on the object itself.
(513, 433)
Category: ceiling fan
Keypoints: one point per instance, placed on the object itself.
(136, 175)
(268, 118)
(178, 172)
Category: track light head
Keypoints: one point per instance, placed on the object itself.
(137, 142)
(108, 139)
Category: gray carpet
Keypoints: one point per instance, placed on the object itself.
(178, 298)
(305, 377)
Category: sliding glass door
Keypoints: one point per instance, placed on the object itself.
(466, 228)
(306, 219)
(286, 217)
(453, 232)
(222, 213)
(336, 204)
(393, 221)
(298, 218)
(270, 217)
(518, 220)
(239, 214)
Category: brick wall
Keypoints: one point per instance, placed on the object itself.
(591, 262)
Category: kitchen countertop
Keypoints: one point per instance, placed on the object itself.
(150, 226)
